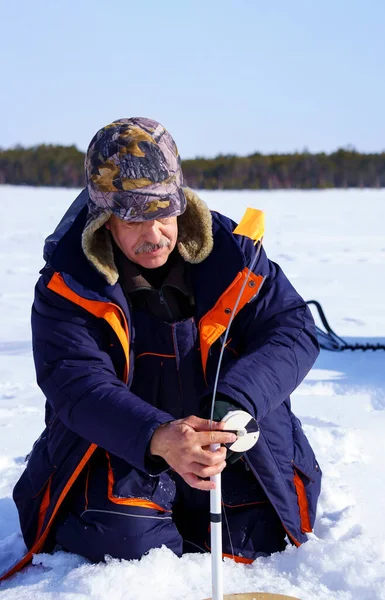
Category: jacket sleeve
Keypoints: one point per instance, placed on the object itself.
(278, 346)
(77, 376)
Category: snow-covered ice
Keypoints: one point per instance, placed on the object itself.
(331, 244)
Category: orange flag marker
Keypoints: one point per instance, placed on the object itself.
(252, 224)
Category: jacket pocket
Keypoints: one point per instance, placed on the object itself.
(128, 486)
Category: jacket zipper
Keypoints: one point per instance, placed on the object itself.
(162, 298)
(164, 303)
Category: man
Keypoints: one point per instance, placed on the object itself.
(139, 284)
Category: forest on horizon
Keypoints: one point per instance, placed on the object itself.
(63, 166)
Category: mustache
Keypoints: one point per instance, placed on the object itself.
(148, 247)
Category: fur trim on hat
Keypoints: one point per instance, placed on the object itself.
(195, 237)
(195, 233)
(97, 246)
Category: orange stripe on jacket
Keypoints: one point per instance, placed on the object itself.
(237, 559)
(44, 507)
(303, 504)
(155, 354)
(128, 501)
(216, 320)
(112, 313)
(40, 541)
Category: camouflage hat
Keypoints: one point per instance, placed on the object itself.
(133, 170)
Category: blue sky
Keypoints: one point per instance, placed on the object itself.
(223, 76)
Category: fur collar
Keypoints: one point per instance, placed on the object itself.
(195, 238)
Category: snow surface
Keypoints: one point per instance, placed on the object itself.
(332, 246)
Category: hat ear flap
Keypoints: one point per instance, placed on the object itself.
(195, 234)
(97, 246)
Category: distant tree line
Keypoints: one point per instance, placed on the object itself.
(62, 166)
(59, 166)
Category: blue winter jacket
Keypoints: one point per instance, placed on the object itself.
(82, 330)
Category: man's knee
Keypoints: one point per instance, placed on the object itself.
(101, 519)
(254, 528)
(128, 535)
(253, 531)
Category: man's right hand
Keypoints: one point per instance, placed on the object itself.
(185, 445)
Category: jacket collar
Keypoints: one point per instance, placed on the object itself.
(210, 278)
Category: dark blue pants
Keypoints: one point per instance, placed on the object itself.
(94, 523)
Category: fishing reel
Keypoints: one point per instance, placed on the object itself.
(245, 428)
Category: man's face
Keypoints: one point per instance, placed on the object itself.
(147, 243)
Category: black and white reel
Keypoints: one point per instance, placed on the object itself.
(245, 427)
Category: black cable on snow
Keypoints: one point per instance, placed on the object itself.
(329, 340)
